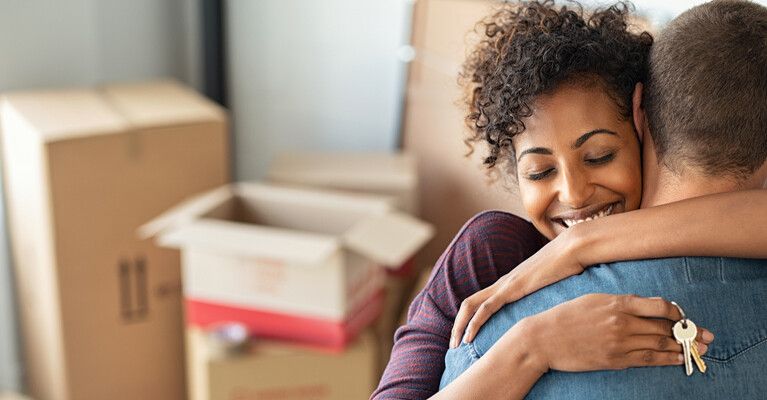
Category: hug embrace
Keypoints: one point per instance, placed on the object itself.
(642, 163)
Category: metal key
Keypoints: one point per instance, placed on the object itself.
(685, 332)
(696, 356)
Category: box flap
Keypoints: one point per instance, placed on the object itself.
(185, 212)
(252, 241)
(160, 103)
(61, 114)
(373, 171)
(389, 239)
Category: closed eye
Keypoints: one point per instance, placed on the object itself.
(601, 160)
(540, 175)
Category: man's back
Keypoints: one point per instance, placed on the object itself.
(726, 296)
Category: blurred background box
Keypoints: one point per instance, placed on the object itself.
(100, 310)
(277, 370)
(453, 186)
(292, 263)
(391, 174)
(12, 396)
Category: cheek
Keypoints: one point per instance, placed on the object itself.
(627, 180)
(536, 198)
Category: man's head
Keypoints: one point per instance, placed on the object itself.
(706, 97)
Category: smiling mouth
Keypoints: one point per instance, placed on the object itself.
(602, 213)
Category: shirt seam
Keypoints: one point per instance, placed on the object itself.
(473, 353)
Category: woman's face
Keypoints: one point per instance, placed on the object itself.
(577, 160)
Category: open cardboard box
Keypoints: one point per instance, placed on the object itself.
(303, 264)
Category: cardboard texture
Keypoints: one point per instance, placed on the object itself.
(396, 292)
(100, 310)
(276, 370)
(453, 187)
(12, 396)
(392, 174)
(309, 253)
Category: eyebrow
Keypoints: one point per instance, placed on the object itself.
(586, 136)
(534, 150)
(578, 143)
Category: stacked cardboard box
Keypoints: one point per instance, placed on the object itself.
(100, 310)
(290, 263)
(275, 370)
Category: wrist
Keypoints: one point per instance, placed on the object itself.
(579, 241)
(529, 348)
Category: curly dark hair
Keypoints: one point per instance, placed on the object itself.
(530, 49)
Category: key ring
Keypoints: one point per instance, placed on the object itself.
(681, 311)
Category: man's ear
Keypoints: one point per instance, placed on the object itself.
(638, 110)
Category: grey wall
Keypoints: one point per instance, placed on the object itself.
(308, 74)
(68, 43)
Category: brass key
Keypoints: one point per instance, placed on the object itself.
(696, 356)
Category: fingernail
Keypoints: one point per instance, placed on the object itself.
(679, 357)
(453, 343)
(708, 336)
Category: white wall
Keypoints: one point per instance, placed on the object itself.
(84, 42)
(67, 43)
(308, 74)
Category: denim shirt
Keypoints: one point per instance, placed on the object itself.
(727, 296)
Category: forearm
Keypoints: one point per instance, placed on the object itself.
(732, 224)
(508, 370)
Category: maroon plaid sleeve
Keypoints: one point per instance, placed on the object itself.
(486, 248)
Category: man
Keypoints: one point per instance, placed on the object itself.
(705, 132)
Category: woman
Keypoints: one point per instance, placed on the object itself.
(547, 84)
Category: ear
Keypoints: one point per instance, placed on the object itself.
(638, 111)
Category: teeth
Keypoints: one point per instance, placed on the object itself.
(571, 222)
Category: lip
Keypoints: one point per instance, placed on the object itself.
(584, 213)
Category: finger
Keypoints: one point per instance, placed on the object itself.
(652, 358)
(655, 307)
(465, 312)
(704, 336)
(663, 328)
(484, 312)
(656, 343)
(648, 326)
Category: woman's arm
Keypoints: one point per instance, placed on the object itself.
(731, 224)
(486, 248)
(591, 332)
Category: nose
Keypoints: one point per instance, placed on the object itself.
(574, 187)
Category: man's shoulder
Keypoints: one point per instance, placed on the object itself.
(675, 278)
(693, 268)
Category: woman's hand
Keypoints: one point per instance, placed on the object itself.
(604, 331)
(552, 263)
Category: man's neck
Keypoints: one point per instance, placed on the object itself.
(666, 187)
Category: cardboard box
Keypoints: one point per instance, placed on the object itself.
(100, 310)
(276, 370)
(264, 250)
(12, 396)
(453, 186)
(390, 174)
